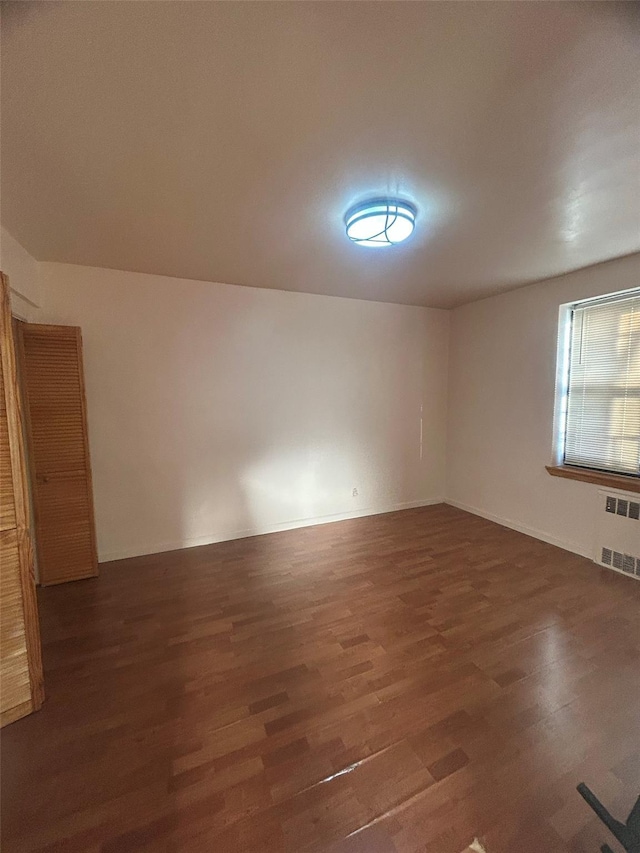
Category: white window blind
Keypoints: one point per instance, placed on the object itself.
(603, 398)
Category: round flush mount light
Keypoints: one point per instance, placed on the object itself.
(380, 222)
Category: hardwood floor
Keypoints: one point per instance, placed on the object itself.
(396, 683)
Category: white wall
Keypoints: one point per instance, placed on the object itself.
(217, 411)
(24, 276)
(501, 403)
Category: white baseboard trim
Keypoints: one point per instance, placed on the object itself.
(175, 545)
(523, 528)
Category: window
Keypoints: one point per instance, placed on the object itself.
(601, 417)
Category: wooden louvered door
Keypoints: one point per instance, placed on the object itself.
(53, 383)
(21, 685)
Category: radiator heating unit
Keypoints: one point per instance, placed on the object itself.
(618, 532)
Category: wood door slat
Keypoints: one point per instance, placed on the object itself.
(7, 502)
(15, 685)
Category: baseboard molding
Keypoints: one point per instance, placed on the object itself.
(178, 544)
(523, 528)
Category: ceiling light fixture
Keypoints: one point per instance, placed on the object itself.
(380, 222)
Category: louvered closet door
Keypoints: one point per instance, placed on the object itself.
(21, 686)
(59, 452)
(15, 686)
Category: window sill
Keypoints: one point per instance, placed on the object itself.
(600, 478)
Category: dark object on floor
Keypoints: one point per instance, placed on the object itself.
(628, 834)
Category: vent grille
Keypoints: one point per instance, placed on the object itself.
(624, 507)
(627, 563)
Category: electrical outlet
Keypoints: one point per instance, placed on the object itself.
(355, 493)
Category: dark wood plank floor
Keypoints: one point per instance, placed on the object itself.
(404, 682)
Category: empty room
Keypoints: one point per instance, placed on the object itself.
(320, 427)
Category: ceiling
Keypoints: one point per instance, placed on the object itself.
(225, 141)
